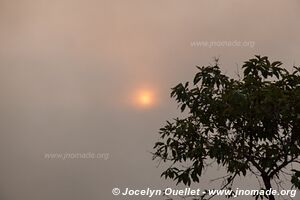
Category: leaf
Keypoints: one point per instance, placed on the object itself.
(247, 71)
(197, 78)
(276, 64)
(182, 108)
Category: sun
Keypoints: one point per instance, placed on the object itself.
(144, 98)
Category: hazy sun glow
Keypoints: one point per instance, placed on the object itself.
(144, 98)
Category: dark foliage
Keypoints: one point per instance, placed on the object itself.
(246, 125)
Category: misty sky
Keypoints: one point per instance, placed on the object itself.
(69, 69)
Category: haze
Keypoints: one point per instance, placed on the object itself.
(68, 68)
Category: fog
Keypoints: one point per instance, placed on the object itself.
(68, 68)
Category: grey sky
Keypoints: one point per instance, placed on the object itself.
(68, 66)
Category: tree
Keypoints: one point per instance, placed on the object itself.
(249, 125)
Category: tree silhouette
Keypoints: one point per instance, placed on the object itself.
(249, 125)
